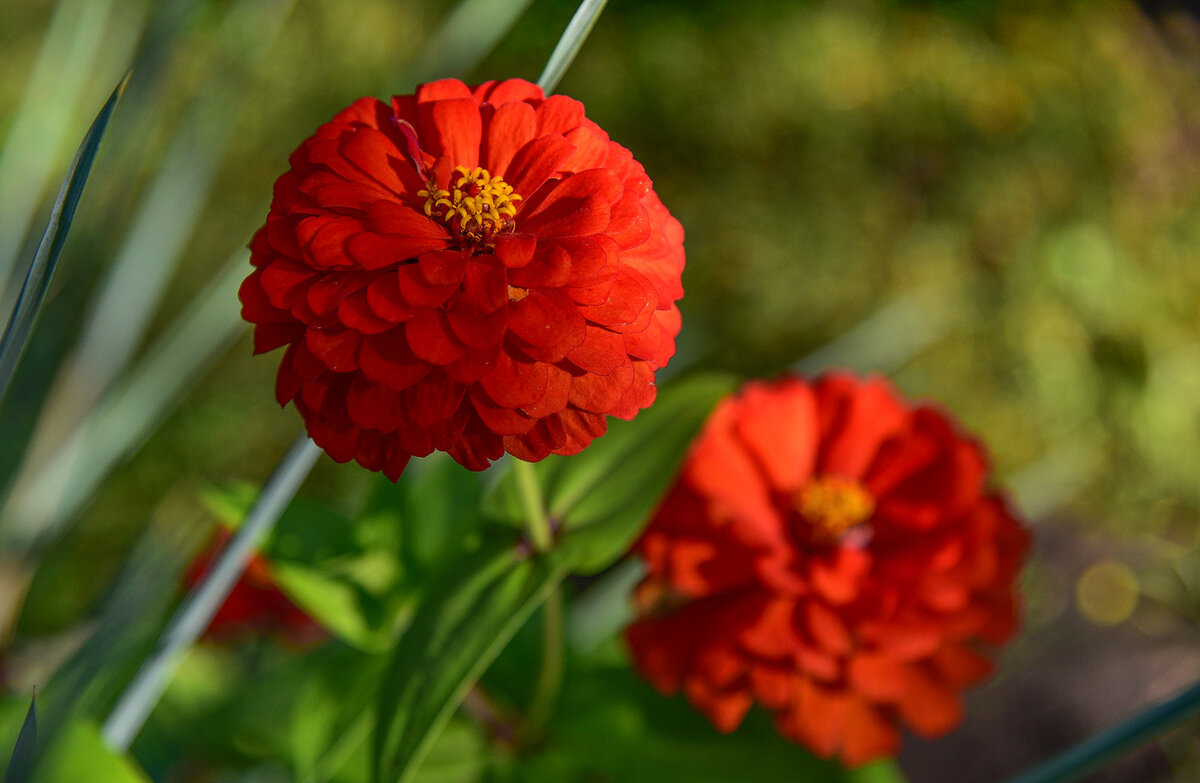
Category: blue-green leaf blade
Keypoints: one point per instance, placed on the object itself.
(20, 766)
(41, 268)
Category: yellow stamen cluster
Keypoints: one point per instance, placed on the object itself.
(832, 505)
(479, 206)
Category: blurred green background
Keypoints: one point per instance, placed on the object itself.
(996, 203)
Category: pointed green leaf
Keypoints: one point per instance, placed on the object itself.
(80, 754)
(20, 766)
(455, 636)
(41, 269)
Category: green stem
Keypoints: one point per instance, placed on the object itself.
(536, 521)
(1093, 753)
(549, 681)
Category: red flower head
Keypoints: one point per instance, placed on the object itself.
(256, 606)
(830, 552)
(473, 270)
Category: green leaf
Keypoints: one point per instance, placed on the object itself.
(41, 268)
(80, 754)
(604, 495)
(455, 636)
(20, 766)
(347, 574)
(613, 726)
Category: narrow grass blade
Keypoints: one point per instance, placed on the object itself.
(171, 208)
(20, 766)
(570, 43)
(37, 280)
(197, 610)
(48, 495)
(69, 54)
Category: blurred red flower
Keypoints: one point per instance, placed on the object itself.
(256, 606)
(474, 270)
(830, 552)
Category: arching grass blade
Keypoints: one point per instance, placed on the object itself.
(37, 278)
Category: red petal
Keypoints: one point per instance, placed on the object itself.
(268, 337)
(323, 240)
(577, 206)
(485, 284)
(547, 319)
(390, 217)
(445, 267)
(356, 313)
(512, 90)
(502, 421)
(473, 364)
(779, 424)
(417, 292)
(868, 734)
(337, 348)
(383, 295)
(479, 330)
(929, 706)
(536, 162)
(376, 154)
(442, 89)
(452, 128)
(433, 401)
(510, 128)
(629, 306)
(601, 351)
(515, 384)
(376, 251)
(581, 428)
(515, 250)
(600, 393)
(854, 421)
(431, 339)
(559, 114)
(558, 389)
(374, 406)
(386, 358)
(550, 268)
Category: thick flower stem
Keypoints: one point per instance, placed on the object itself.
(536, 521)
(197, 610)
(549, 681)
(1093, 753)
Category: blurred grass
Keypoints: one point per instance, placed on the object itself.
(1027, 173)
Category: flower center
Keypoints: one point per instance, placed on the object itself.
(478, 207)
(832, 505)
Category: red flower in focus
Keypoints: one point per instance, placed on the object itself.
(256, 606)
(474, 270)
(831, 552)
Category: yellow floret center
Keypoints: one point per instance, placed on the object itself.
(478, 206)
(832, 505)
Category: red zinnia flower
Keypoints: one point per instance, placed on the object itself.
(830, 552)
(473, 270)
(256, 606)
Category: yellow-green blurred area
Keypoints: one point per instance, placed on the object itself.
(997, 204)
